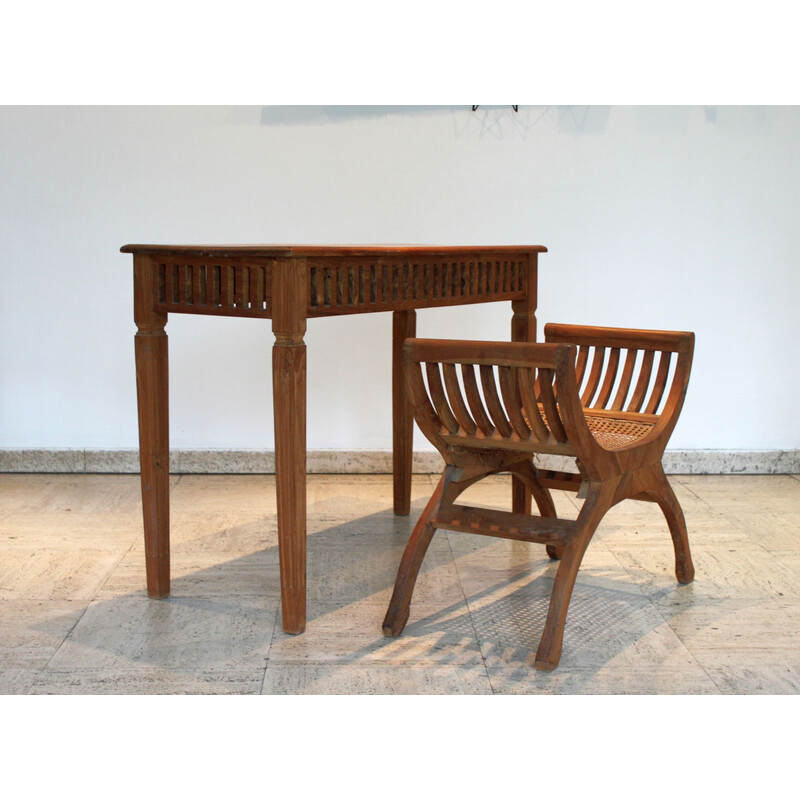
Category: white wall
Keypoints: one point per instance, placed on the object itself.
(664, 217)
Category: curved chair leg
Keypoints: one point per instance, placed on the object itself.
(400, 604)
(543, 498)
(670, 505)
(598, 501)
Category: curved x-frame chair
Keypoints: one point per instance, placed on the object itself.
(574, 395)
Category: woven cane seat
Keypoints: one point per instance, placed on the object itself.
(614, 434)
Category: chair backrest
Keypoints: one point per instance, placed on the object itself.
(615, 369)
(507, 395)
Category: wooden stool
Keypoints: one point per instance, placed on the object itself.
(552, 398)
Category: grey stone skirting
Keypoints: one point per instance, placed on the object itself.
(676, 462)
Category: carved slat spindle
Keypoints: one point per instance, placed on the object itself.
(642, 383)
(198, 279)
(512, 401)
(660, 382)
(493, 405)
(550, 406)
(456, 399)
(625, 381)
(474, 400)
(608, 381)
(528, 393)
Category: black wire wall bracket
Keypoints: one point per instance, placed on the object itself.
(516, 108)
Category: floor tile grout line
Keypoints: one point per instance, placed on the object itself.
(278, 620)
(469, 612)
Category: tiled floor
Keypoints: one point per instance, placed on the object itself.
(74, 616)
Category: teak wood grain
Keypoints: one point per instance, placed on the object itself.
(547, 402)
(290, 284)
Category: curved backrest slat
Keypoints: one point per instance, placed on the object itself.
(512, 400)
(642, 383)
(424, 413)
(598, 357)
(580, 364)
(456, 398)
(660, 383)
(528, 391)
(474, 400)
(493, 405)
(436, 390)
(625, 381)
(608, 380)
(549, 403)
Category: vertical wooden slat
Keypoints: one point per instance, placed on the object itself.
(660, 382)
(608, 381)
(642, 383)
(493, 405)
(512, 401)
(162, 283)
(198, 295)
(436, 391)
(216, 284)
(528, 392)
(474, 400)
(456, 399)
(549, 404)
(313, 289)
(598, 357)
(181, 284)
(624, 381)
(256, 284)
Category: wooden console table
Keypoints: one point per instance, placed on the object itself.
(289, 284)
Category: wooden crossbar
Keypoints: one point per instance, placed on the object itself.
(504, 524)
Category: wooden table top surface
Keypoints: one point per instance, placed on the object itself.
(304, 250)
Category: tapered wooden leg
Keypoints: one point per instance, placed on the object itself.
(289, 391)
(400, 604)
(598, 501)
(153, 399)
(523, 329)
(670, 505)
(404, 326)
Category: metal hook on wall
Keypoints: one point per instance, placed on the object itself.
(516, 108)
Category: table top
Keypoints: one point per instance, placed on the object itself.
(304, 250)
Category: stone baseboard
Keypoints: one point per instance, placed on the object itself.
(250, 462)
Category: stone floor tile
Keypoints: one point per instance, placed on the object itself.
(731, 632)
(733, 569)
(770, 680)
(121, 681)
(436, 633)
(347, 679)
(54, 574)
(201, 573)
(690, 679)
(31, 631)
(197, 634)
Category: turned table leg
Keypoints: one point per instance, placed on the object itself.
(289, 393)
(404, 326)
(153, 402)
